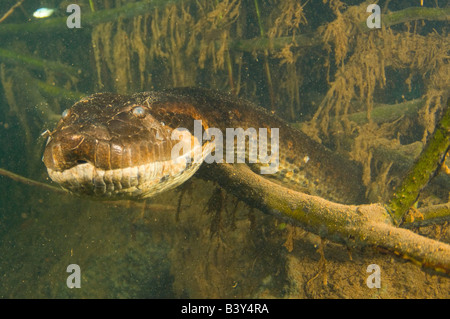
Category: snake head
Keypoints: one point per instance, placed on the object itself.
(110, 145)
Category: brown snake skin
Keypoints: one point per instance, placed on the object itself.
(117, 146)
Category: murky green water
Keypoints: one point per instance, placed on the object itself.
(169, 246)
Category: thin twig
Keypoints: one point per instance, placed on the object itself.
(429, 215)
(116, 203)
(28, 181)
(11, 10)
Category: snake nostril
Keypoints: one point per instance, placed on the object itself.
(81, 162)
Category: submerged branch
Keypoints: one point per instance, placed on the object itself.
(34, 63)
(426, 167)
(414, 13)
(249, 45)
(430, 215)
(87, 19)
(366, 224)
(313, 39)
(363, 224)
(382, 113)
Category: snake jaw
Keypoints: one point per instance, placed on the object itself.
(130, 182)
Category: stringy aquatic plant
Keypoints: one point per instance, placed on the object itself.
(171, 37)
(174, 44)
(285, 21)
(362, 61)
(191, 43)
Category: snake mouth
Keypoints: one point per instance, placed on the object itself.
(130, 182)
(130, 169)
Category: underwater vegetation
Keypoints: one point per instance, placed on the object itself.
(377, 96)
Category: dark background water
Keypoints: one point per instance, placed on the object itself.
(153, 250)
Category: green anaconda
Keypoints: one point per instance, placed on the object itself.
(122, 146)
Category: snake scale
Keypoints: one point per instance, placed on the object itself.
(113, 146)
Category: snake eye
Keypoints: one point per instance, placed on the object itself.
(65, 114)
(139, 111)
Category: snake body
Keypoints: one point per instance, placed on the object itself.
(121, 146)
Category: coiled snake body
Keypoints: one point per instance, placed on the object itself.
(117, 146)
